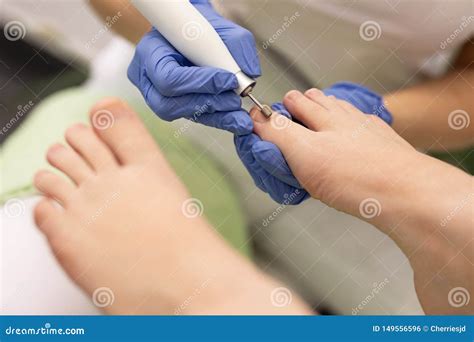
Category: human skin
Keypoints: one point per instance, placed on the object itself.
(358, 164)
(116, 221)
(421, 114)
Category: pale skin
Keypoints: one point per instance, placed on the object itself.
(116, 221)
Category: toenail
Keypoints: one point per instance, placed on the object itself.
(38, 175)
(55, 148)
(313, 91)
(71, 131)
(293, 95)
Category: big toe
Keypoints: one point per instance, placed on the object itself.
(121, 129)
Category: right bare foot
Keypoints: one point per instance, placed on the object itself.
(120, 231)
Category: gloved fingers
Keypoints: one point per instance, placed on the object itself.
(237, 122)
(243, 145)
(243, 47)
(306, 110)
(278, 190)
(173, 79)
(283, 193)
(172, 108)
(271, 159)
(238, 40)
(170, 73)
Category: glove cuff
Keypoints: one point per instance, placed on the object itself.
(362, 98)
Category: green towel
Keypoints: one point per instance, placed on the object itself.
(24, 153)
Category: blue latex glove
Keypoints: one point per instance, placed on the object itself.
(174, 88)
(266, 163)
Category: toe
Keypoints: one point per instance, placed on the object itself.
(54, 186)
(93, 150)
(69, 162)
(47, 216)
(306, 109)
(122, 130)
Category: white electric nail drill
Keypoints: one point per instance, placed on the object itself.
(194, 37)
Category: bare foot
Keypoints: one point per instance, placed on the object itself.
(120, 233)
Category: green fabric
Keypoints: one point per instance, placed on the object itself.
(24, 153)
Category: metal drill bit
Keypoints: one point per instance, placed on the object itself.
(266, 110)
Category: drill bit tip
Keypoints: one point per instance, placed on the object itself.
(265, 109)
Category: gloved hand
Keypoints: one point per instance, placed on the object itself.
(174, 88)
(266, 163)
